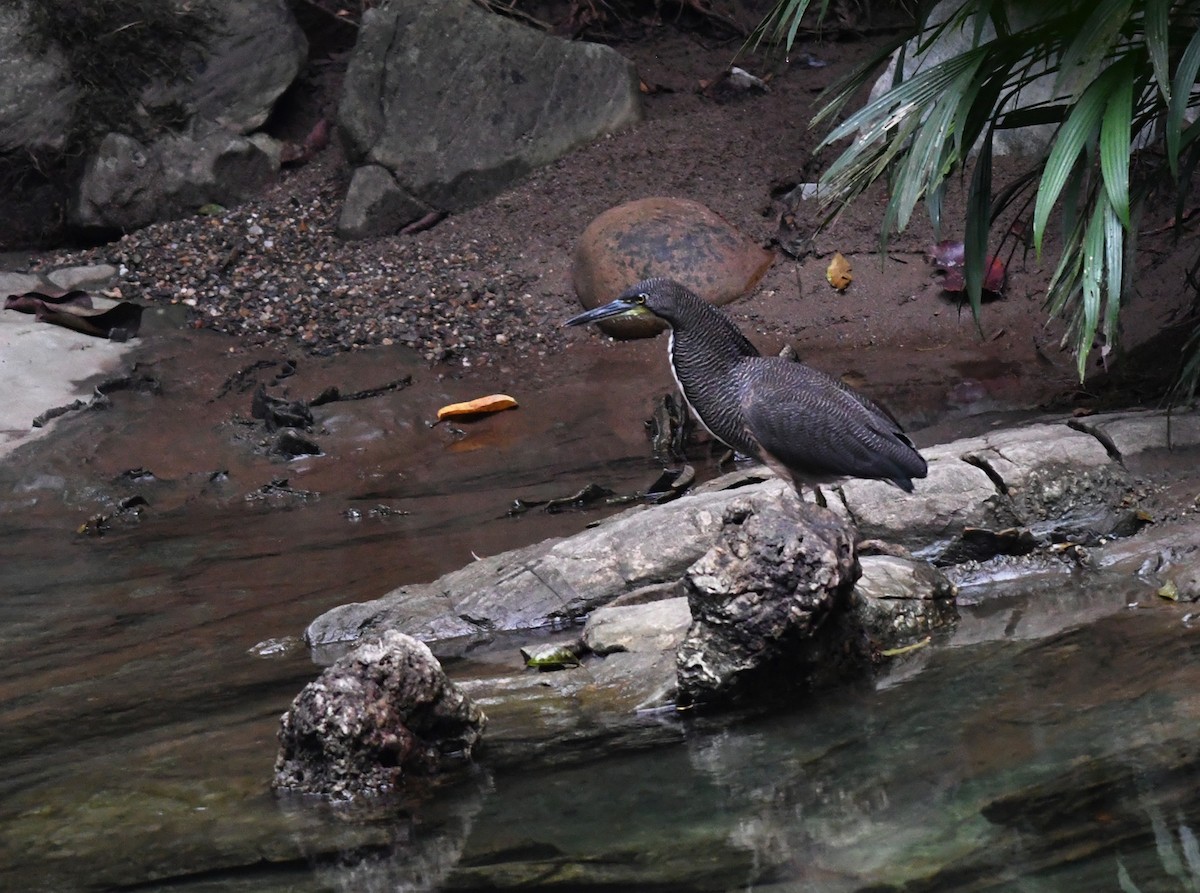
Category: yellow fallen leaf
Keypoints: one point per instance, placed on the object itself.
(1169, 591)
(490, 403)
(896, 652)
(838, 272)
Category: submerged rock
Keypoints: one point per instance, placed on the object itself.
(898, 600)
(384, 712)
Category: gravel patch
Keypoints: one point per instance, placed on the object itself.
(273, 273)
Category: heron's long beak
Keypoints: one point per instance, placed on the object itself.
(618, 307)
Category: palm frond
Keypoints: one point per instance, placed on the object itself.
(1123, 77)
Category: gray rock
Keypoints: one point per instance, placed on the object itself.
(37, 99)
(375, 205)
(654, 626)
(226, 89)
(1047, 467)
(120, 185)
(1158, 554)
(638, 642)
(1048, 477)
(95, 276)
(547, 584)
(898, 601)
(1133, 432)
(258, 51)
(457, 102)
(628, 682)
(761, 598)
(127, 185)
(645, 553)
(382, 713)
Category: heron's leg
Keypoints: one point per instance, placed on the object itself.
(819, 496)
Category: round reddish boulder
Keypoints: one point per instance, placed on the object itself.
(671, 237)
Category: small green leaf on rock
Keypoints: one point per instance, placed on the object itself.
(551, 657)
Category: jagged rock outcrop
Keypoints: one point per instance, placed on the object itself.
(766, 598)
(381, 713)
(454, 103)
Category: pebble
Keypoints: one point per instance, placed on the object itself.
(273, 273)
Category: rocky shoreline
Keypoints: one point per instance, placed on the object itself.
(775, 603)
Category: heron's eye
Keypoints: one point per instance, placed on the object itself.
(640, 298)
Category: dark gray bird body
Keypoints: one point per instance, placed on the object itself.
(803, 423)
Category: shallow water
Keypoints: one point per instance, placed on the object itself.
(1048, 746)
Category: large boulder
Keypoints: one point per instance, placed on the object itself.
(128, 184)
(177, 133)
(674, 238)
(251, 57)
(37, 98)
(456, 103)
(382, 713)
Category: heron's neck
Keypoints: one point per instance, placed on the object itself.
(705, 349)
(705, 339)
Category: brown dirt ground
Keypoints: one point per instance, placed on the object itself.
(894, 331)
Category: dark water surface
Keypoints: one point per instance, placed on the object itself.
(1052, 745)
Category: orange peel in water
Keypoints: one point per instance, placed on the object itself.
(478, 406)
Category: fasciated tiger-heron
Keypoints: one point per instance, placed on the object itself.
(806, 425)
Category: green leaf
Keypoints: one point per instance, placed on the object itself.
(923, 166)
(977, 111)
(1071, 205)
(1080, 128)
(1115, 139)
(784, 18)
(978, 222)
(1157, 21)
(1181, 90)
(1114, 255)
(1093, 266)
(1094, 41)
(876, 118)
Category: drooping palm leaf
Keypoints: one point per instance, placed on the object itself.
(1123, 107)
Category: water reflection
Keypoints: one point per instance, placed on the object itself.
(1051, 745)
